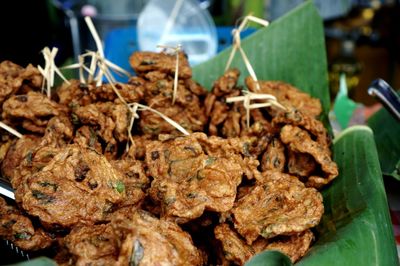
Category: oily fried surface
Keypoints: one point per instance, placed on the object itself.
(288, 96)
(143, 62)
(152, 241)
(32, 111)
(18, 228)
(16, 153)
(294, 246)
(14, 78)
(135, 180)
(76, 186)
(299, 140)
(92, 245)
(234, 247)
(278, 205)
(188, 181)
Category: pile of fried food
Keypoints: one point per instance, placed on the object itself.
(89, 193)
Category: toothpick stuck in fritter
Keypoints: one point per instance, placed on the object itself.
(237, 45)
(50, 69)
(134, 107)
(10, 130)
(269, 100)
(176, 51)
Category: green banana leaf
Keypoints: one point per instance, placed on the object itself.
(387, 141)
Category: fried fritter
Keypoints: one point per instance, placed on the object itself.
(274, 156)
(312, 125)
(288, 96)
(16, 153)
(294, 246)
(234, 247)
(16, 227)
(32, 111)
(92, 245)
(77, 186)
(186, 111)
(279, 204)
(14, 77)
(143, 62)
(238, 252)
(151, 241)
(298, 140)
(112, 121)
(136, 182)
(188, 181)
(300, 164)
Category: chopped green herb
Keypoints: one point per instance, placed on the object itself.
(75, 119)
(120, 186)
(23, 235)
(210, 160)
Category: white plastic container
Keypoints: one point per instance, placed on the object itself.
(170, 22)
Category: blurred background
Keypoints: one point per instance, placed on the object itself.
(362, 37)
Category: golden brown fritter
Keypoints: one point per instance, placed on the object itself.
(78, 94)
(92, 245)
(147, 240)
(234, 247)
(279, 204)
(288, 96)
(32, 111)
(77, 186)
(300, 164)
(188, 181)
(16, 153)
(312, 125)
(294, 246)
(274, 157)
(299, 140)
(136, 182)
(18, 228)
(143, 62)
(14, 78)
(111, 121)
(86, 136)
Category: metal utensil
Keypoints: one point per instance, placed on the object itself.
(6, 189)
(386, 95)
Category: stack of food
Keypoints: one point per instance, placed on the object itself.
(92, 189)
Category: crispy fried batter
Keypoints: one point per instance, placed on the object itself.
(76, 186)
(188, 181)
(16, 227)
(274, 156)
(143, 62)
(300, 164)
(299, 140)
(312, 125)
(288, 95)
(135, 181)
(235, 248)
(278, 205)
(294, 246)
(16, 153)
(151, 241)
(32, 110)
(14, 77)
(92, 245)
